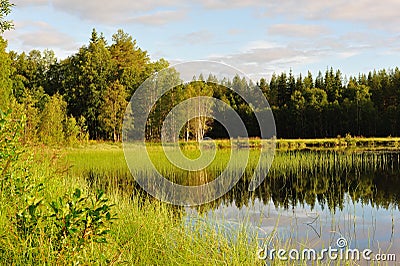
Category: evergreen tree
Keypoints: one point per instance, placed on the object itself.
(308, 82)
(130, 62)
(319, 81)
(89, 75)
(282, 90)
(273, 86)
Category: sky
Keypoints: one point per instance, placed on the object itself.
(257, 37)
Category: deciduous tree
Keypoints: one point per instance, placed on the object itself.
(112, 110)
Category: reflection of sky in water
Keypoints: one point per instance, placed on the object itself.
(362, 225)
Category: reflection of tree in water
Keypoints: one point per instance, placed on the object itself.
(369, 178)
(301, 177)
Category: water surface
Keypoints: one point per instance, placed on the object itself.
(312, 198)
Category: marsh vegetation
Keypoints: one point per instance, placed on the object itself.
(309, 198)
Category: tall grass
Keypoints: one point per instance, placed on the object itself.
(109, 165)
(148, 232)
(156, 230)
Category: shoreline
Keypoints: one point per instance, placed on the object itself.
(364, 143)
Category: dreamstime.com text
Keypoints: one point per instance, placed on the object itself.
(341, 252)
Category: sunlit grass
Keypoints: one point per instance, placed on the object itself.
(149, 232)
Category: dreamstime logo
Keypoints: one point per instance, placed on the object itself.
(138, 116)
(341, 252)
(341, 242)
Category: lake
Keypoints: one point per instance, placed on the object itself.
(313, 198)
(309, 198)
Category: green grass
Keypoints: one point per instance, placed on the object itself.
(148, 232)
(307, 174)
(110, 161)
(339, 143)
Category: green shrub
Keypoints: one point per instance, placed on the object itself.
(39, 227)
(80, 219)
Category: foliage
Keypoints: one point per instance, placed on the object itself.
(113, 109)
(5, 81)
(97, 82)
(51, 122)
(79, 219)
(68, 225)
(71, 130)
(10, 150)
(328, 105)
(5, 9)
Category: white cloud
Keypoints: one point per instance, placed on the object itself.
(261, 59)
(384, 14)
(117, 11)
(24, 3)
(196, 37)
(160, 17)
(347, 54)
(269, 56)
(297, 30)
(301, 20)
(375, 14)
(224, 4)
(260, 44)
(46, 39)
(40, 35)
(235, 31)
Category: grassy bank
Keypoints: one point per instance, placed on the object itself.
(335, 143)
(106, 168)
(339, 143)
(145, 231)
(52, 212)
(347, 142)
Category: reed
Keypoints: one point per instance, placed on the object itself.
(149, 232)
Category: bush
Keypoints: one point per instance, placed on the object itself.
(40, 227)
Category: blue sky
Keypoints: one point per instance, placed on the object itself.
(257, 37)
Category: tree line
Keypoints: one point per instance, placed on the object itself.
(85, 96)
(332, 105)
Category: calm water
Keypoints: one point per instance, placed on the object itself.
(358, 200)
(308, 197)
